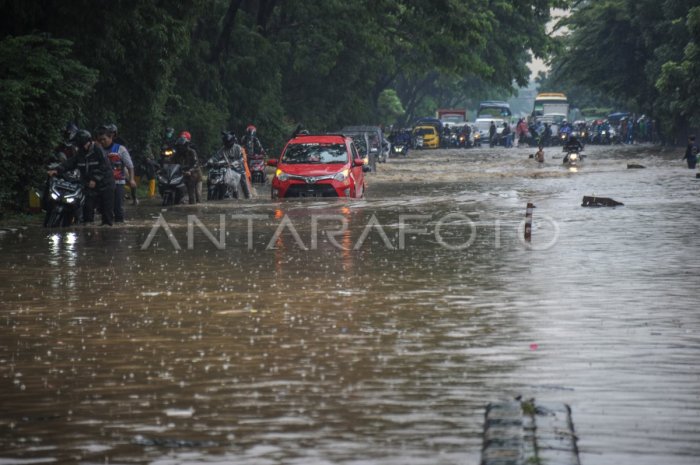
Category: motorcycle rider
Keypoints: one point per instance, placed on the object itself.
(186, 157)
(253, 147)
(60, 153)
(572, 145)
(547, 135)
(251, 142)
(122, 166)
(97, 175)
(231, 152)
(65, 149)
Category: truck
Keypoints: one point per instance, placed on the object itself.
(452, 117)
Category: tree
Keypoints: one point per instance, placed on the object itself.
(41, 88)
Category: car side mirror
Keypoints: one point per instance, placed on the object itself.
(272, 162)
(366, 168)
(358, 162)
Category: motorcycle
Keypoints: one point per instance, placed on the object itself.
(171, 183)
(572, 158)
(65, 200)
(222, 181)
(257, 169)
(418, 142)
(399, 149)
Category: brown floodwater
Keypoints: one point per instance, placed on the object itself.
(364, 332)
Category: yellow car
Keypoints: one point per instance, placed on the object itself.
(426, 137)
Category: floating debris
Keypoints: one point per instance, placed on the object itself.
(631, 166)
(591, 201)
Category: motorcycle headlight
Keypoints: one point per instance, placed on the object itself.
(573, 157)
(342, 176)
(281, 175)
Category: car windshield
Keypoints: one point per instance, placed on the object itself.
(315, 153)
(493, 112)
(424, 131)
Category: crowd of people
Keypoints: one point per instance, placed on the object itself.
(107, 169)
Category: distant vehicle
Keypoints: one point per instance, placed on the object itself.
(615, 118)
(452, 117)
(426, 137)
(319, 166)
(495, 111)
(557, 99)
(370, 141)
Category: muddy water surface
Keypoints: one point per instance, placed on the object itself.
(374, 344)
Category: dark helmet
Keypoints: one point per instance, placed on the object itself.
(228, 138)
(250, 130)
(169, 132)
(108, 129)
(69, 132)
(81, 137)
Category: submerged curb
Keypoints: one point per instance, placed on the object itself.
(529, 433)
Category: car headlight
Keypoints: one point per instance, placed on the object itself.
(342, 176)
(70, 199)
(281, 175)
(54, 195)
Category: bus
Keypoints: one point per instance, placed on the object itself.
(552, 100)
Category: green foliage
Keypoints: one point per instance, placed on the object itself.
(389, 106)
(41, 88)
(679, 81)
(639, 55)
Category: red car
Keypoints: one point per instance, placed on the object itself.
(319, 166)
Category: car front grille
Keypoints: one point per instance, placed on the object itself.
(311, 190)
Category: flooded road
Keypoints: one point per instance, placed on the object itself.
(297, 340)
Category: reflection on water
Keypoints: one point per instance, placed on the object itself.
(110, 353)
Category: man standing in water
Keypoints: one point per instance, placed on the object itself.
(691, 153)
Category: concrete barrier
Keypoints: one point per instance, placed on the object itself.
(528, 432)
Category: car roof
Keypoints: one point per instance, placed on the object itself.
(319, 138)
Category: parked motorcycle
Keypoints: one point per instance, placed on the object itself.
(65, 200)
(171, 183)
(222, 181)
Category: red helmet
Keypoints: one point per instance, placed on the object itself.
(250, 130)
(186, 135)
